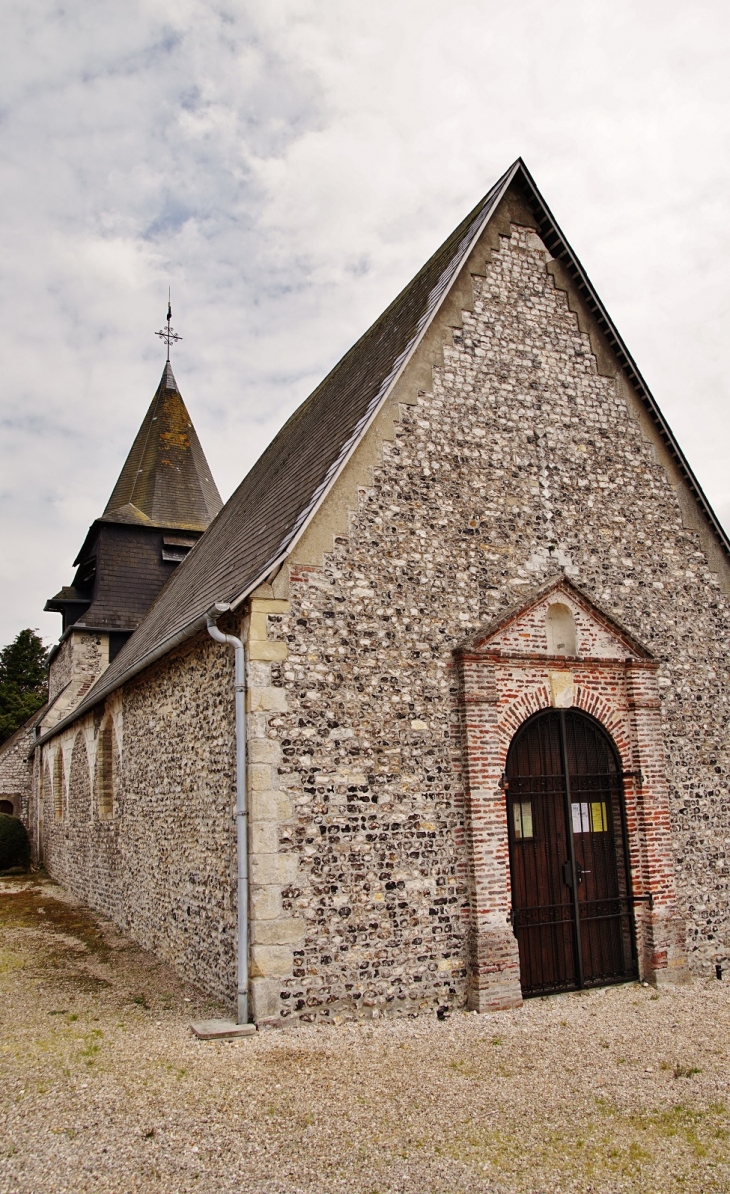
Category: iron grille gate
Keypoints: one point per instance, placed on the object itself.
(571, 897)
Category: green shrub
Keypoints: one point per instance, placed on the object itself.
(14, 843)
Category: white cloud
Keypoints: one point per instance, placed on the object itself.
(287, 167)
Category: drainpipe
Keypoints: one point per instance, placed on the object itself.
(214, 613)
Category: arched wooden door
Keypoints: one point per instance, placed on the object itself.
(571, 898)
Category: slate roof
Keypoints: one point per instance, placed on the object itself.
(166, 481)
(260, 523)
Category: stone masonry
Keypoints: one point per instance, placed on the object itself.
(16, 770)
(162, 867)
(513, 451)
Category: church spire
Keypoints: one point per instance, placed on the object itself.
(164, 498)
(166, 481)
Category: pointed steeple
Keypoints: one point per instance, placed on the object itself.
(164, 499)
(166, 481)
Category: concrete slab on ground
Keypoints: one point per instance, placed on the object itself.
(218, 1030)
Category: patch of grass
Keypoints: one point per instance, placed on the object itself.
(35, 906)
(682, 1122)
(11, 960)
(686, 1071)
(178, 1071)
(92, 1045)
(614, 1144)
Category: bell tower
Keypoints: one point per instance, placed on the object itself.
(163, 501)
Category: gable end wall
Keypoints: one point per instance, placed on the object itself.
(509, 451)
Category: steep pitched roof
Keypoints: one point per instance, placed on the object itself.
(166, 481)
(261, 522)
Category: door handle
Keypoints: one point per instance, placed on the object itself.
(568, 873)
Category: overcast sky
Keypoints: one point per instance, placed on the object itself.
(287, 166)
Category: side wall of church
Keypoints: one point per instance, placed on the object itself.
(160, 861)
(525, 456)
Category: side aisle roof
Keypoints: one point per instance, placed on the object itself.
(261, 522)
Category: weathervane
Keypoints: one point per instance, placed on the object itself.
(167, 334)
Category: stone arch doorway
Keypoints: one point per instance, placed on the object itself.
(572, 911)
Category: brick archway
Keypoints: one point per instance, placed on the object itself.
(506, 674)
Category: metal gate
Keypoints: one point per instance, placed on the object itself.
(571, 896)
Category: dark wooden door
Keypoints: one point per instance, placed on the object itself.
(571, 905)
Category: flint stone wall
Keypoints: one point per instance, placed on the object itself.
(16, 771)
(163, 866)
(524, 459)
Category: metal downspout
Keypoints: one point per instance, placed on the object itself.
(241, 803)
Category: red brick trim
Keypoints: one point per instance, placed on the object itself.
(496, 694)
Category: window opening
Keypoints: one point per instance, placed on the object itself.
(560, 626)
(58, 786)
(105, 773)
(175, 548)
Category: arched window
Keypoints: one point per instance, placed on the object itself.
(58, 785)
(46, 782)
(104, 779)
(560, 625)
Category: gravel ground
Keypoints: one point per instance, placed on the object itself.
(104, 1088)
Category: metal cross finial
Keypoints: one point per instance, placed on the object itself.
(167, 334)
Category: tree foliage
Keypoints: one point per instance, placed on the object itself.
(23, 681)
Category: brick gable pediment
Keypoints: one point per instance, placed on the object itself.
(558, 619)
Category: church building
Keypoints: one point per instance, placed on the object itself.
(434, 710)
